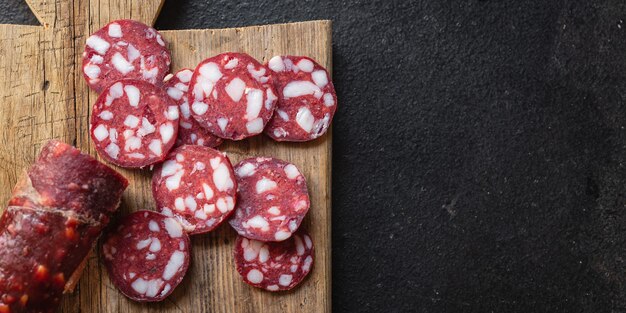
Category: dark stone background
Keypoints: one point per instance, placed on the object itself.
(479, 149)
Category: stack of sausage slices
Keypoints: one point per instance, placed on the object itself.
(147, 117)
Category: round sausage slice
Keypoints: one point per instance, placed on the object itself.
(272, 199)
(125, 49)
(189, 132)
(197, 186)
(306, 99)
(274, 266)
(146, 255)
(232, 95)
(134, 124)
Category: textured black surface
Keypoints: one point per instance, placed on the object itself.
(479, 149)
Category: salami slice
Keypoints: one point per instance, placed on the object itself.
(306, 99)
(56, 213)
(274, 266)
(134, 124)
(146, 255)
(272, 199)
(232, 95)
(125, 49)
(197, 186)
(189, 132)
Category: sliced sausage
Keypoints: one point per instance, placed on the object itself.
(189, 132)
(197, 186)
(274, 266)
(232, 95)
(134, 124)
(125, 49)
(146, 255)
(306, 99)
(272, 199)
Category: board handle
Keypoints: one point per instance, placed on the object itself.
(65, 13)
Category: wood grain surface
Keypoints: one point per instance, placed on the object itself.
(44, 96)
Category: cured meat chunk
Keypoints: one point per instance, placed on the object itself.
(39, 252)
(189, 132)
(56, 213)
(274, 266)
(232, 95)
(146, 255)
(306, 99)
(272, 199)
(197, 186)
(64, 178)
(134, 124)
(124, 49)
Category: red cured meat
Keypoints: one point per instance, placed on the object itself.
(146, 255)
(67, 179)
(134, 124)
(306, 99)
(56, 213)
(232, 95)
(39, 252)
(189, 132)
(125, 49)
(274, 266)
(272, 199)
(197, 186)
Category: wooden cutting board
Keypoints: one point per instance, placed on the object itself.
(44, 96)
